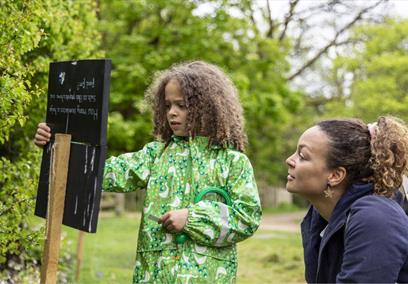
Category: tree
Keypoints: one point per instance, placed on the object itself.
(311, 32)
(34, 33)
(313, 28)
(144, 37)
(375, 72)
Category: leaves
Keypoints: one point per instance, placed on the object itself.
(33, 34)
(378, 66)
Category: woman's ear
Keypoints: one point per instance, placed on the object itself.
(337, 176)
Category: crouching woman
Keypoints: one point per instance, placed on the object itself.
(351, 173)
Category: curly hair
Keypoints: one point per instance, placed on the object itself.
(213, 107)
(380, 158)
(389, 154)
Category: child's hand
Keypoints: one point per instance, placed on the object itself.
(174, 221)
(43, 135)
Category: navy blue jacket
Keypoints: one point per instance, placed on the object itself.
(373, 248)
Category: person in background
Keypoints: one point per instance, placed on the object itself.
(351, 173)
(198, 124)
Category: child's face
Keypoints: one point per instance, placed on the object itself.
(176, 108)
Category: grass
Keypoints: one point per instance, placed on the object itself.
(282, 208)
(109, 255)
(267, 257)
(271, 257)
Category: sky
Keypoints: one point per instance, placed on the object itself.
(279, 7)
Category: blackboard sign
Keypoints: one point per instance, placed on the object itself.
(78, 93)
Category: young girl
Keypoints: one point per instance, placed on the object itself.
(350, 172)
(199, 127)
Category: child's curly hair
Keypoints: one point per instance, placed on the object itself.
(380, 157)
(212, 103)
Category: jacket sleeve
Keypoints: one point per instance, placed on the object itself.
(214, 223)
(375, 244)
(130, 171)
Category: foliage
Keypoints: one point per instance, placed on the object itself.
(143, 37)
(376, 71)
(33, 34)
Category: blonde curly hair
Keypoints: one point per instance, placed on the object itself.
(212, 104)
(380, 157)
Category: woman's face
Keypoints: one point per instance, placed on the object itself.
(176, 108)
(308, 174)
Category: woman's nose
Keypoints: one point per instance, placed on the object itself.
(290, 162)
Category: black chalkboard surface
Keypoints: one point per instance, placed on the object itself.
(78, 93)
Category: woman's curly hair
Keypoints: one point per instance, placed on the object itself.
(380, 157)
(389, 149)
(212, 104)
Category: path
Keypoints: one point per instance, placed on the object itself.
(288, 222)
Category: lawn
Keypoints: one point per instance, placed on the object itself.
(268, 257)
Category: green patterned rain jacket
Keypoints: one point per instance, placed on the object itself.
(173, 175)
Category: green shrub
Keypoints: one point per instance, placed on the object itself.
(33, 34)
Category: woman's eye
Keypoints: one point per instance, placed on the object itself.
(301, 156)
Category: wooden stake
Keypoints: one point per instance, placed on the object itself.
(56, 197)
(80, 252)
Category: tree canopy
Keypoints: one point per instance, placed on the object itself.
(375, 72)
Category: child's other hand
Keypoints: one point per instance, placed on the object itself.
(174, 221)
(43, 134)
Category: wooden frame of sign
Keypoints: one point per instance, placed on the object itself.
(78, 93)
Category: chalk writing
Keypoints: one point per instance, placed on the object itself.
(73, 97)
(93, 112)
(85, 84)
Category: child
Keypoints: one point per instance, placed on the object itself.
(199, 126)
(351, 172)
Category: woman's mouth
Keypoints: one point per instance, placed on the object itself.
(290, 177)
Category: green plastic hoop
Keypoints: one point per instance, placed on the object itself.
(181, 238)
(219, 191)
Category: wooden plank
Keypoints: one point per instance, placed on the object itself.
(57, 188)
(80, 252)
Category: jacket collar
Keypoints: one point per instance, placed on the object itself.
(339, 215)
(199, 141)
(313, 224)
(354, 192)
(313, 219)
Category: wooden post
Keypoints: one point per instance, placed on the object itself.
(80, 252)
(56, 197)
